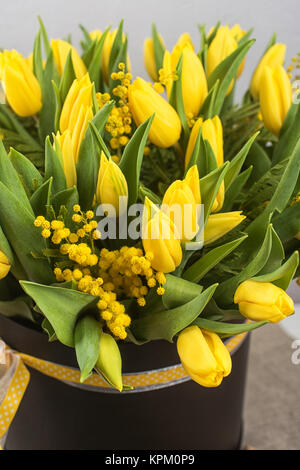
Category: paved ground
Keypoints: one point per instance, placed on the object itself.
(272, 411)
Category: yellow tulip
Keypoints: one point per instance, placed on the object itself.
(237, 32)
(263, 301)
(272, 58)
(4, 265)
(22, 89)
(149, 58)
(204, 356)
(185, 39)
(64, 142)
(221, 47)
(109, 362)
(144, 101)
(212, 131)
(193, 79)
(79, 94)
(161, 238)
(275, 97)
(111, 184)
(220, 224)
(60, 51)
(180, 203)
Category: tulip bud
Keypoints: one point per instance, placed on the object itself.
(161, 238)
(4, 265)
(263, 301)
(221, 47)
(145, 101)
(111, 183)
(193, 79)
(220, 224)
(60, 51)
(79, 94)
(272, 58)
(149, 58)
(109, 362)
(22, 89)
(180, 203)
(204, 356)
(212, 131)
(185, 39)
(63, 145)
(275, 97)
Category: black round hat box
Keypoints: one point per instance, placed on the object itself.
(54, 415)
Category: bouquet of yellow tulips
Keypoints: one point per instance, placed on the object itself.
(83, 142)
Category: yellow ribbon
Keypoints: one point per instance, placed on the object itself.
(141, 380)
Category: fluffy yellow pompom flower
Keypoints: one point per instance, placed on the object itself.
(204, 356)
(161, 238)
(21, 88)
(220, 224)
(60, 51)
(263, 301)
(111, 184)
(212, 131)
(275, 97)
(221, 47)
(4, 265)
(145, 101)
(272, 58)
(180, 203)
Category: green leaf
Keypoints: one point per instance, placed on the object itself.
(45, 37)
(17, 308)
(88, 160)
(179, 291)
(166, 324)
(30, 176)
(37, 58)
(209, 187)
(132, 158)
(276, 255)
(207, 262)
(234, 191)
(287, 224)
(54, 168)
(60, 306)
(238, 161)
(282, 276)
(41, 198)
(227, 329)
(16, 219)
(67, 78)
(176, 99)
(95, 62)
(226, 71)
(9, 177)
(158, 48)
(225, 292)
(208, 106)
(47, 113)
(67, 198)
(288, 141)
(87, 340)
(259, 160)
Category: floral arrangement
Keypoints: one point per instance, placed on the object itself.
(83, 142)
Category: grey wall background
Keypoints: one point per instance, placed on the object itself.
(18, 23)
